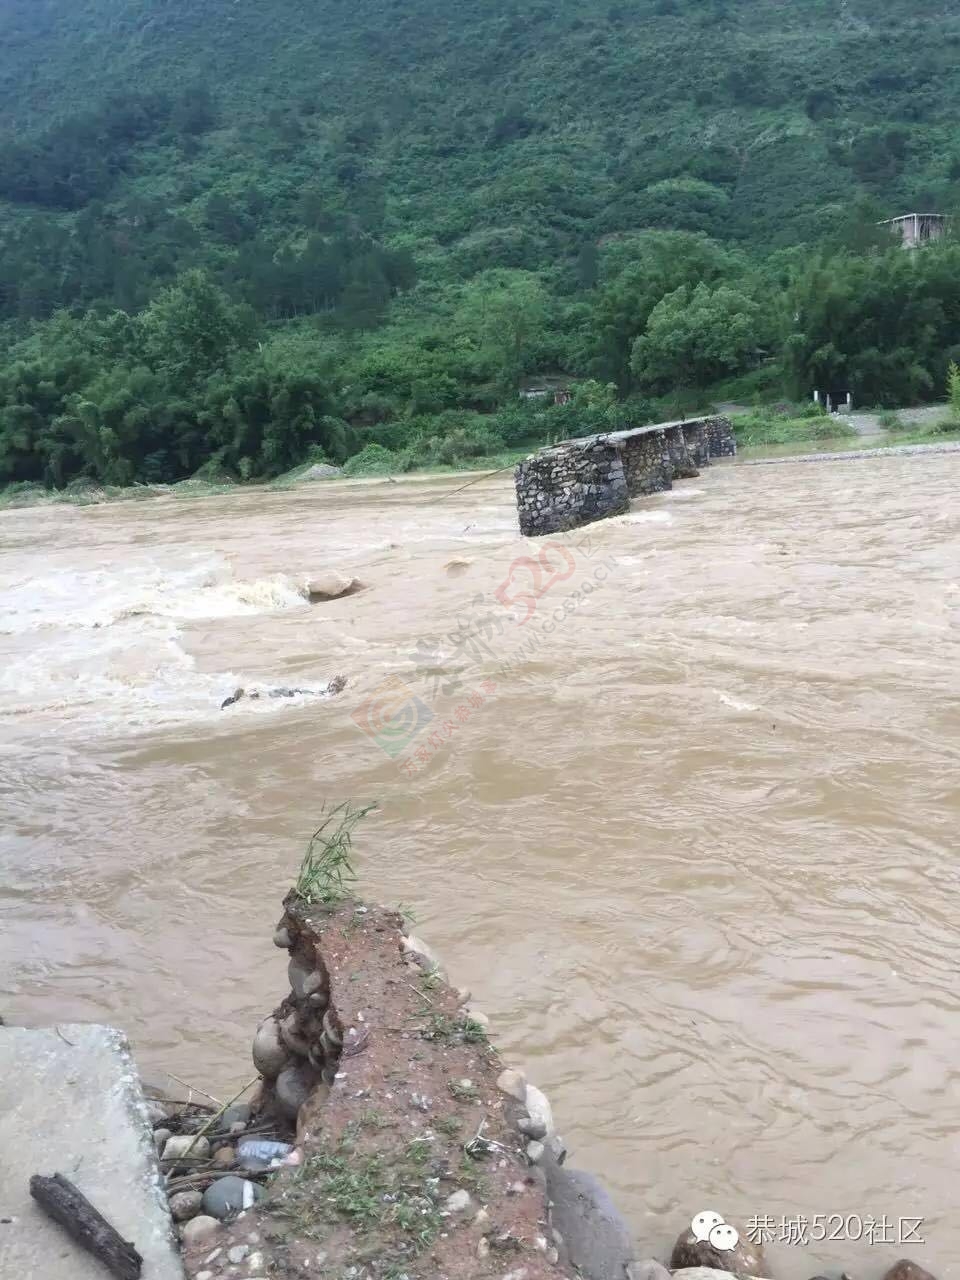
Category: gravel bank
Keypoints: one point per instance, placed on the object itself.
(849, 454)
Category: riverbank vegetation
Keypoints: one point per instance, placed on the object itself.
(649, 209)
(787, 424)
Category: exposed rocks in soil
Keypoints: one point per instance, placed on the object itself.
(408, 1158)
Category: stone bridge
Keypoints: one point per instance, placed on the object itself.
(577, 481)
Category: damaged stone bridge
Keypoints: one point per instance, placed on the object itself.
(577, 481)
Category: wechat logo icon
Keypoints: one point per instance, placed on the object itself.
(710, 1227)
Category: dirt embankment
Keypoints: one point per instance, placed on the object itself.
(415, 1154)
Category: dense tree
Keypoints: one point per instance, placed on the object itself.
(695, 336)
(192, 329)
(884, 325)
(650, 267)
(329, 249)
(504, 313)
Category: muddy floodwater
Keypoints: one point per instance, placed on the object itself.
(678, 797)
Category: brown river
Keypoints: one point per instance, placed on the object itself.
(678, 797)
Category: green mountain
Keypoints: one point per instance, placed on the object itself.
(503, 134)
(383, 182)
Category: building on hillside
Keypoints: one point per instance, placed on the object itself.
(916, 229)
(552, 387)
(834, 401)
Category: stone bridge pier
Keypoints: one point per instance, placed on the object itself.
(582, 480)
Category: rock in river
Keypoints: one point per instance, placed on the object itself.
(739, 1255)
(330, 586)
(538, 1108)
(904, 1269)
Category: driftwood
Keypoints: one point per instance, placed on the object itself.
(58, 1197)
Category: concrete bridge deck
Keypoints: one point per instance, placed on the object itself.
(71, 1103)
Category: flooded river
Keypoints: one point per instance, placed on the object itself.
(679, 800)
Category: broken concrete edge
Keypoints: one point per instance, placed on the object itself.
(79, 1110)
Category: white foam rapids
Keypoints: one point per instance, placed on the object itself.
(108, 643)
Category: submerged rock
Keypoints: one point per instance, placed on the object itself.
(456, 568)
(336, 685)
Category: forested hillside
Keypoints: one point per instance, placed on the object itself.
(233, 233)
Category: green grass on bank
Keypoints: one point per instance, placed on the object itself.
(771, 426)
(941, 433)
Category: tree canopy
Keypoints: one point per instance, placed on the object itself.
(330, 249)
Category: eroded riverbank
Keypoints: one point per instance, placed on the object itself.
(692, 853)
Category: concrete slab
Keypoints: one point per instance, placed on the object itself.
(77, 1108)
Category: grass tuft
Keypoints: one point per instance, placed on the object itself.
(326, 873)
